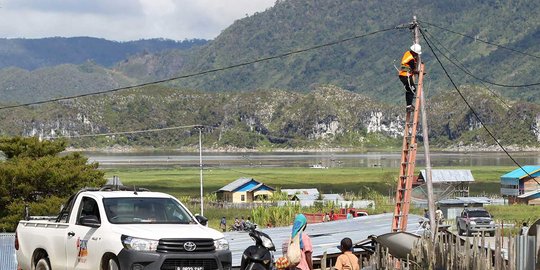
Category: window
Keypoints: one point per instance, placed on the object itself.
(243, 198)
(146, 210)
(88, 207)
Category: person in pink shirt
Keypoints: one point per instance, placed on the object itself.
(299, 226)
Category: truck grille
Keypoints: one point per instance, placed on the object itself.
(482, 221)
(177, 245)
(173, 264)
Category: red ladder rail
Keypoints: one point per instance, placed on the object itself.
(408, 162)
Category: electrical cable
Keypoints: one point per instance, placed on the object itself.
(462, 67)
(477, 39)
(473, 111)
(483, 80)
(202, 72)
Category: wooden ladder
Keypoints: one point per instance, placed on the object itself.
(408, 162)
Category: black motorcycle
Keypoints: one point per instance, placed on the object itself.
(259, 256)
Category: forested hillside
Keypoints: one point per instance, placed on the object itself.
(272, 119)
(343, 95)
(366, 65)
(31, 54)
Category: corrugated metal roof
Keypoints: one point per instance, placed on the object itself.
(324, 236)
(519, 173)
(237, 183)
(445, 176)
(305, 191)
(261, 186)
(528, 194)
(482, 200)
(306, 197)
(332, 197)
(8, 261)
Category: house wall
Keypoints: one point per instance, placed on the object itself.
(225, 196)
(509, 186)
(237, 197)
(267, 193)
(530, 185)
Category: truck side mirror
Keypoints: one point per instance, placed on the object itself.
(202, 220)
(90, 221)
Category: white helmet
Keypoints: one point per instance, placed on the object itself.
(416, 48)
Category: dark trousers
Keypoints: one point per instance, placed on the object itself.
(410, 87)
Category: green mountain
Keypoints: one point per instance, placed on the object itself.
(32, 54)
(344, 95)
(366, 65)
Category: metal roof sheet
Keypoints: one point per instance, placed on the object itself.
(261, 186)
(482, 200)
(237, 183)
(445, 176)
(7, 251)
(332, 197)
(306, 197)
(324, 236)
(528, 194)
(305, 191)
(519, 173)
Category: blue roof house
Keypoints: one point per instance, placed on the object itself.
(245, 190)
(522, 185)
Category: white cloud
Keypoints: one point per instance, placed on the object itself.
(123, 19)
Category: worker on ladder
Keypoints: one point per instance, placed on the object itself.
(407, 71)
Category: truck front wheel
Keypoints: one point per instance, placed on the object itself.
(43, 264)
(110, 262)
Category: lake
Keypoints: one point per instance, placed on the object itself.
(165, 159)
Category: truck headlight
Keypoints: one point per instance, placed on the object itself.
(473, 222)
(492, 222)
(139, 244)
(221, 244)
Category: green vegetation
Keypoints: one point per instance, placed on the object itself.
(354, 183)
(34, 174)
(327, 117)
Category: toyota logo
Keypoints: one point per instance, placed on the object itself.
(190, 246)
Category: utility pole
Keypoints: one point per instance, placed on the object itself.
(201, 168)
(429, 182)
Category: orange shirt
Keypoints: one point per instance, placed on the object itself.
(408, 64)
(347, 261)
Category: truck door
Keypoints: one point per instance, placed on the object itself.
(83, 237)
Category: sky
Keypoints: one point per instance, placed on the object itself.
(123, 20)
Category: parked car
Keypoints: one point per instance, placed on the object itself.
(475, 220)
(119, 229)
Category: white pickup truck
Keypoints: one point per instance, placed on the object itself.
(108, 229)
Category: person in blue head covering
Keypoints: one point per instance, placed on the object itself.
(299, 226)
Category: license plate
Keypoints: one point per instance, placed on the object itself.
(190, 268)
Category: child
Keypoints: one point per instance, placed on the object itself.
(347, 260)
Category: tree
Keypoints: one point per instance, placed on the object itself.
(35, 174)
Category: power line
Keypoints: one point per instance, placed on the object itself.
(473, 111)
(477, 39)
(462, 67)
(202, 72)
(466, 71)
(122, 132)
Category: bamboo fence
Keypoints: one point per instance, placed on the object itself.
(452, 252)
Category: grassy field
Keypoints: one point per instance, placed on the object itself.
(185, 181)
(362, 182)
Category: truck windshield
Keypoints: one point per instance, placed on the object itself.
(479, 214)
(146, 210)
